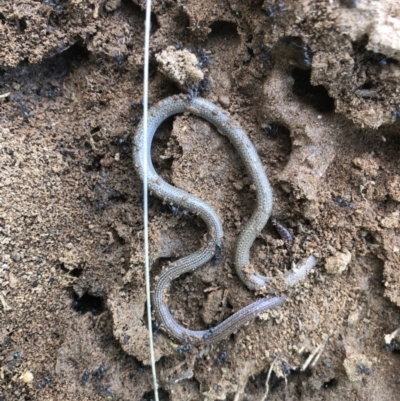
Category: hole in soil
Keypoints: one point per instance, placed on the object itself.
(348, 3)
(370, 239)
(367, 85)
(275, 131)
(223, 29)
(162, 395)
(22, 24)
(315, 96)
(87, 303)
(96, 164)
(182, 20)
(330, 383)
(76, 272)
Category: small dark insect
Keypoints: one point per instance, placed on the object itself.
(393, 346)
(135, 120)
(55, 6)
(124, 144)
(303, 56)
(16, 355)
(364, 370)
(104, 389)
(35, 284)
(156, 328)
(286, 368)
(177, 212)
(208, 334)
(24, 111)
(174, 210)
(85, 377)
(43, 383)
(121, 142)
(204, 58)
(271, 130)
(53, 93)
(377, 58)
(119, 59)
(100, 373)
(99, 206)
(272, 11)
(221, 357)
(264, 53)
(396, 114)
(177, 46)
(184, 348)
(284, 233)
(343, 203)
(203, 84)
(218, 255)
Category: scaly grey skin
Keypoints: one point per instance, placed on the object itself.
(181, 198)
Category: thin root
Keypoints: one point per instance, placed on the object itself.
(4, 303)
(314, 357)
(268, 377)
(390, 337)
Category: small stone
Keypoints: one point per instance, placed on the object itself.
(338, 263)
(224, 101)
(16, 256)
(238, 185)
(27, 377)
(180, 66)
(393, 188)
(353, 318)
(356, 366)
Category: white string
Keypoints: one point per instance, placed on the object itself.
(145, 193)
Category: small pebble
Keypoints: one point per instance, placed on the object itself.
(16, 256)
(224, 101)
(27, 377)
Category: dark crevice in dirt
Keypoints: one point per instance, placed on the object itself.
(32, 82)
(224, 30)
(76, 272)
(362, 55)
(22, 24)
(87, 303)
(130, 8)
(330, 384)
(315, 96)
(348, 3)
(162, 395)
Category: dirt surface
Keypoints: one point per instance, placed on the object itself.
(315, 86)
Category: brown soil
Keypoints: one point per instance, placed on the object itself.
(72, 304)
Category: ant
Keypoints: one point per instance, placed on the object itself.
(222, 356)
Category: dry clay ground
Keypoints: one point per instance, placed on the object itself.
(315, 84)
